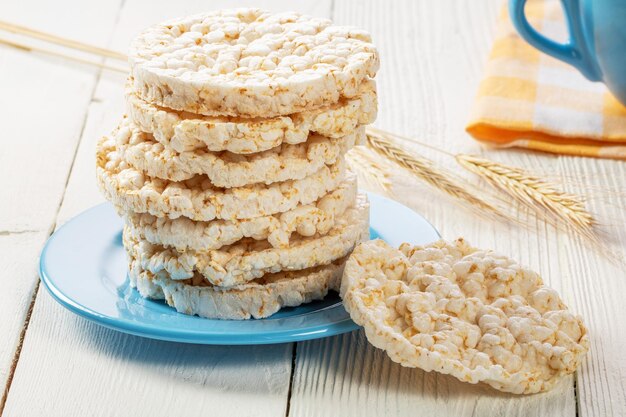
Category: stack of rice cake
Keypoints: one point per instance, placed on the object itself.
(229, 167)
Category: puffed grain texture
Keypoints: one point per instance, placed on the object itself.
(183, 131)
(306, 220)
(228, 170)
(245, 261)
(256, 299)
(458, 310)
(248, 62)
(132, 190)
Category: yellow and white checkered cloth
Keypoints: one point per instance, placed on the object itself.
(528, 99)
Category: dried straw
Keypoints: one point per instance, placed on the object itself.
(543, 197)
(30, 48)
(375, 172)
(531, 190)
(437, 177)
(58, 40)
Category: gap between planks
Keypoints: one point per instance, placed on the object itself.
(27, 320)
(20, 344)
(18, 350)
(294, 351)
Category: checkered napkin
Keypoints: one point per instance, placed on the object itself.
(530, 100)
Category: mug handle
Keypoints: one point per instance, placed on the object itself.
(575, 52)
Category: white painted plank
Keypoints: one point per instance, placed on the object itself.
(42, 112)
(597, 288)
(346, 376)
(432, 55)
(432, 61)
(88, 370)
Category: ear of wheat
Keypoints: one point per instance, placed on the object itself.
(544, 198)
(375, 172)
(531, 190)
(437, 177)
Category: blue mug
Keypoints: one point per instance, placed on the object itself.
(597, 39)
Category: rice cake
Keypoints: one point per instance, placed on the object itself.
(255, 299)
(306, 220)
(250, 63)
(473, 314)
(247, 260)
(183, 131)
(198, 199)
(228, 170)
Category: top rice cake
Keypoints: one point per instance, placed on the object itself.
(250, 63)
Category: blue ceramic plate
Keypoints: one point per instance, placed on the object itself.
(83, 266)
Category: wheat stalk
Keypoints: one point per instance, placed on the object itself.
(531, 191)
(58, 40)
(437, 177)
(361, 159)
(30, 48)
(543, 197)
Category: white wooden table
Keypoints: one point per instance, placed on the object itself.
(52, 112)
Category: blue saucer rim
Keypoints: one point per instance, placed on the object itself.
(190, 336)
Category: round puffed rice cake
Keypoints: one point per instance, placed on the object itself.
(259, 298)
(184, 131)
(250, 63)
(458, 310)
(197, 198)
(307, 220)
(247, 260)
(228, 170)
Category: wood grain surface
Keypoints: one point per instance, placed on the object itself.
(432, 56)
